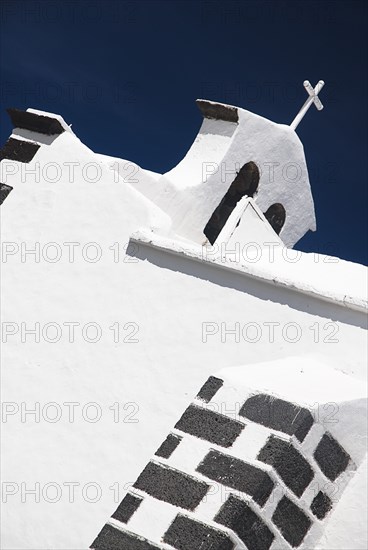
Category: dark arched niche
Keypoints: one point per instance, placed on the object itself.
(245, 184)
(275, 216)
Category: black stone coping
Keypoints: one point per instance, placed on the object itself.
(35, 123)
(331, 457)
(291, 521)
(238, 475)
(210, 388)
(127, 507)
(4, 191)
(167, 448)
(211, 426)
(17, 149)
(278, 414)
(188, 534)
(289, 463)
(171, 486)
(240, 518)
(110, 538)
(218, 111)
(321, 505)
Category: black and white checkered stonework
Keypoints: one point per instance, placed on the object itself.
(23, 150)
(226, 483)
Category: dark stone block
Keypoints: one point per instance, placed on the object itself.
(126, 508)
(168, 446)
(217, 110)
(210, 388)
(331, 457)
(187, 534)
(211, 426)
(278, 414)
(291, 466)
(238, 475)
(113, 539)
(35, 123)
(4, 191)
(240, 518)
(171, 486)
(321, 505)
(291, 521)
(16, 149)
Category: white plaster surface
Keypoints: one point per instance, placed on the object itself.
(172, 299)
(191, 191)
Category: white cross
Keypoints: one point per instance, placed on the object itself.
(313, 98)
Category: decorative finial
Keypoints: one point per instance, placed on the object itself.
(313, 98)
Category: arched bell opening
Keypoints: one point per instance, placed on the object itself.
(245, 184)
(275, 216)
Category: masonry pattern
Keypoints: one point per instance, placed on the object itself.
(253, 515)
(22, 150)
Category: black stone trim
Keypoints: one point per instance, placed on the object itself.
(127, 507)
(171, 486)
(168, 446)
(278, 414)
(238, 475)
(17, 149)
(4, 191)
(292, 467)
(211, 426)
(218, 111)
(188, 534)
(35, 123)
(291, 521)
(240, 518)
(210, 388)
(331, 457)
(110, 538)
(321, 505)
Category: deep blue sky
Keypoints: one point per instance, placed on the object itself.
(126, 75)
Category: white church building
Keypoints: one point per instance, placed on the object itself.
(176, 375)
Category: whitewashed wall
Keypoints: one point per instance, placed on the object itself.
(164, 299)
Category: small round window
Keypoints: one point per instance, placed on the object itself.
(275, 216)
